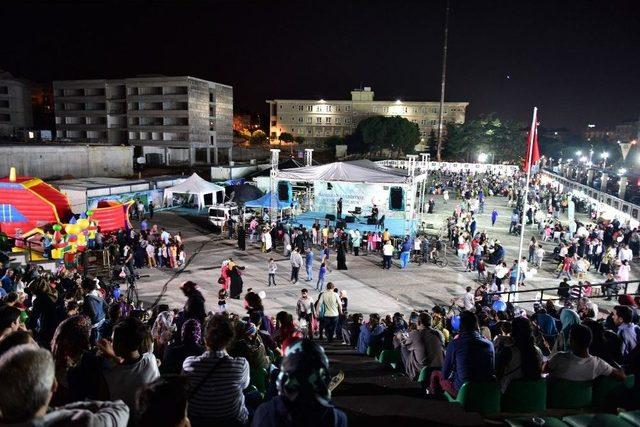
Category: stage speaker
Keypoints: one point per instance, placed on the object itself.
(283, 191)
(349, 219)
(395, 195)
(330, 217)
(341, 224)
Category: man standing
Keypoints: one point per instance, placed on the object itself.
(339, 208)
(165, 236)
(387, 253)
(405, 252)
(470, 357)
(152, 207)
(308, 264)
(625, 254)
(304, 310)
(296, 263)
(331, 307)
(356, 242)
(515, 218)
(472, 227)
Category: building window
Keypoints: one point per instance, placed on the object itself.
(405, 110)
(310, 108)
(385, 109)
(319, 120)
(347, 108)
(300, 119)
(423, 122)
(328, 120)
(338, 108)
(347, 120)
(293, 129)
(338, 120)
(281, 119)
(309, 119)
(424, 110)
(280, 106)
(375, 109)
(433, 122)
(434, 110)
(328, 108)
(300, 107)
(318, 109)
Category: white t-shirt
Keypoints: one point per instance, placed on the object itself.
(387, 250)
(468, 300)
(123, 381)
(566, 365)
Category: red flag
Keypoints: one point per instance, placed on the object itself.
(532, 155)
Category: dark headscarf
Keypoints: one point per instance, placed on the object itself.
(191, 332)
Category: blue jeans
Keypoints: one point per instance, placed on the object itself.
(404, 259)
(309, 269)
(320, 283)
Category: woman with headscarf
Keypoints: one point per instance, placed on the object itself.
(70, 341)
(190, 345)
(568, 318)
(341, 257)
(162, 331)
(242, 235)
(235, 278)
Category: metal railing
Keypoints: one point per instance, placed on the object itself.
(624, 289)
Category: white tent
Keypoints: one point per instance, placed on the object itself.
(364, 171)
(194, 185)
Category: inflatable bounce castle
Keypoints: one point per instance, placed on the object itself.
(33, 212)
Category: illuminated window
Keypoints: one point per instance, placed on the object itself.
(318, 109)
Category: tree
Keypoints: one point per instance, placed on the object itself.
(488, 134)
(286, 137)
(432, 144)
(258, 137)
(299, 139)
(333, 140)
(378, 132)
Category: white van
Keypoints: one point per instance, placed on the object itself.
(218, 214)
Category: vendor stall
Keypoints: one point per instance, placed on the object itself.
(194, 190)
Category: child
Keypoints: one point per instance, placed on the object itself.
(222, 301)
(321, 273)
(182, 257)
(471, 260)
(272, 272)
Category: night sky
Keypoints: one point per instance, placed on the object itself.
(578, 61)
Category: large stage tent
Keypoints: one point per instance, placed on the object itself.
(264, 202)
(361, 184)
(194, 186)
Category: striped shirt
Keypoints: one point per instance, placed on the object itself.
(221, 394)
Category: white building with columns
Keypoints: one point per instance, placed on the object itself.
(318, 119)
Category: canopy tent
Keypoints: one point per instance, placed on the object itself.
(243, 193)
(265, 203)
(364, 171)
(194, 185)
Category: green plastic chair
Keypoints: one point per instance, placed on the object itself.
(595, 420)
(632, 417)
(373, 351)
(528, 422)
(606, 388)
(569, 394)
(259, 378)
(525, 396)
(482, 397)
(390, 357)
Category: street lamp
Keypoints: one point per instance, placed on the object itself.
(482, 157)
(605, 156)
(591, 155)
(579, 153)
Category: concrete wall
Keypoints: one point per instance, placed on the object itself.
(48, 161)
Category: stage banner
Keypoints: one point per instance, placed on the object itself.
(326, 194)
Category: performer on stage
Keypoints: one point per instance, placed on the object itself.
(374, 213)
(339, 208)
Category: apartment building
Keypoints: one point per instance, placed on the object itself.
(170, 119)
(316, 119)
(15, 104)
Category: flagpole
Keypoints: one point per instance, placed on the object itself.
(528, 164)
